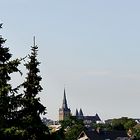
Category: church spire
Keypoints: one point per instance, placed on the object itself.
(64, 105)
(80, 112)
(77, 114)
(64, 112)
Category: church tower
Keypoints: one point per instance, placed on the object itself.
(64, 111)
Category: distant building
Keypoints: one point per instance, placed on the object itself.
(64, 111)
(47, 121)
(88, 120)
(103, 135)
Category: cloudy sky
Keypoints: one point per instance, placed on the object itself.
(90, 47)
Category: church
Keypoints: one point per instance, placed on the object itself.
(65, 113)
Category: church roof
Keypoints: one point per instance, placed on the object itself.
(64, 105)
(76, 114)
(102, 135)
(80, 112)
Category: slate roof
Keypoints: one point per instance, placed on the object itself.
(104, 135)
(64, 105)
(93, 118)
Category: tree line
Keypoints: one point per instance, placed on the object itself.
(20, 110)
(20, 106)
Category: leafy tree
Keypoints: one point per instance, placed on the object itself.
(73, 132)
(73, 127)
(102, 126)
(129, 124)
(136, 133)
(70, 122)
(117, 124)
(32, 108)
(9, 100)
(123, 123)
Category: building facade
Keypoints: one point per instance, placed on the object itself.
(87, 120)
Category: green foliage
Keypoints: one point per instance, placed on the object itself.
(73, 127)
(15, 133)
(73, 132)
(119, 124)
(136, 133)
(123, 123)
(72, 120)
(32, 108)
(8, 104)
(129, 124)
(102, 126)
(20, 113)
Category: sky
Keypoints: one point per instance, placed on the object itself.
(90, 47)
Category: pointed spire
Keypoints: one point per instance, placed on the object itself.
(76, 114)
(64, 105)
(80, 112)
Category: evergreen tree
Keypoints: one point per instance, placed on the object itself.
(9, 100)
(32, 108)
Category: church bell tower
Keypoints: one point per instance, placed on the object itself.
(64, 111)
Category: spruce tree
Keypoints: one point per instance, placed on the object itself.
(9, 100)
(32, 108)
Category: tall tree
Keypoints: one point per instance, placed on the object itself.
(9, 102)
(32, 107)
